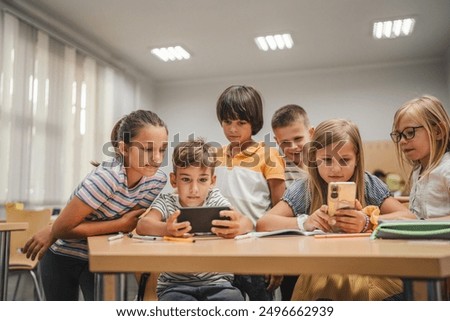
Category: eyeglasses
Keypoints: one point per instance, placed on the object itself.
(408, 133)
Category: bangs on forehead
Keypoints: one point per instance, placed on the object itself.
(412, 113)
(234, 113)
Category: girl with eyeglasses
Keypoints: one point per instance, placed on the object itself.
(421, 130)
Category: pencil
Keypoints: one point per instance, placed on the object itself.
(341, 235)
(145, 237)
(179, 239)
(116, 237)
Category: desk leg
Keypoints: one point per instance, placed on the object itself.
(121, 286)
(4, 264)
(98, 289)
(408, 290)
(119, 289)
(434, 290)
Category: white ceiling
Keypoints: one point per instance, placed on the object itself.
(219, 33)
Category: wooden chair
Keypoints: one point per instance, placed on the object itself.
(14, 205)
(36, 220)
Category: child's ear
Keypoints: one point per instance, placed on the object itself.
(311, 132)
(276, 140)
(213, 180)
(122, 148)
(173, 179)
(438, 129)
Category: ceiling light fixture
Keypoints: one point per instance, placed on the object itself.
(391, 29)
(171, 53)
(274, 42)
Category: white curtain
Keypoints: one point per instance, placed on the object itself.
(57, 108)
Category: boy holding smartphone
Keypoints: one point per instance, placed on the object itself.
(193, 177)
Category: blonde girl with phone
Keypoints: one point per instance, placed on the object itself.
(335, 154)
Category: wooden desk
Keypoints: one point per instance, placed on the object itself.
(5, 236)
(410, 260)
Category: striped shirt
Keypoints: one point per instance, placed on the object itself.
(292, 172)
(105, 190)
(166, 204)
(298, 197)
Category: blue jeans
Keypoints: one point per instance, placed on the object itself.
(217, 292)
(254, 286)
(63, 276)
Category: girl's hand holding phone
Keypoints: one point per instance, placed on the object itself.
(318, 220)
(349, 220)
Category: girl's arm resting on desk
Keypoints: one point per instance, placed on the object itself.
(440, 218)
(392, 209)
(278, 217)
(70, 223)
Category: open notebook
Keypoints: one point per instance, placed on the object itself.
(279, 232)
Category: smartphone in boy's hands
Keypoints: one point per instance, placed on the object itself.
(341, 195)
(201, 218)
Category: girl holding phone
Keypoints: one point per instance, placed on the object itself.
(335, 154)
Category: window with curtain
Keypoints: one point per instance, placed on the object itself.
(57, 107)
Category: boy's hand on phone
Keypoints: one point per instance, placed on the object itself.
(177, 229)
(227, 228)
(350, 220)
(318, 220)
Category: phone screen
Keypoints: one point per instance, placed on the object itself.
(201, 217)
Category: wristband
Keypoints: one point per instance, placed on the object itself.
(301, 220)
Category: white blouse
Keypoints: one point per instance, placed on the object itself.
(430, 194)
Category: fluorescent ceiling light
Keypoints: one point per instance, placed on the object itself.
(274, 42)
(391, 29)
(171, 53)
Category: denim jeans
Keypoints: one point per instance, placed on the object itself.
(216, 292)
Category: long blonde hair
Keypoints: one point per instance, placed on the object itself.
(327, 133)
(428, 112)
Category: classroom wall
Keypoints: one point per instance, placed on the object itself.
(368, 95)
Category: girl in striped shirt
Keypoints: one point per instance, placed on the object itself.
(109, 200)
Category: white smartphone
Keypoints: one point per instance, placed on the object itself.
(341, 195)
